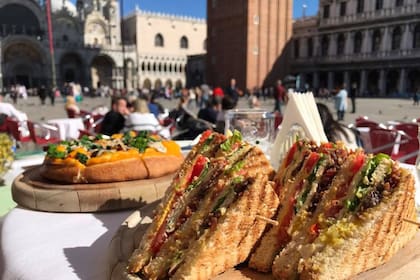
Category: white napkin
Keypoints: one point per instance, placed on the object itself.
(301, 110)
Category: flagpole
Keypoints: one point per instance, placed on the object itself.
(51, 42)
(122, 43)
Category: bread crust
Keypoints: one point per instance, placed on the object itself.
(158, 166)
(65, 173)
(116, 171)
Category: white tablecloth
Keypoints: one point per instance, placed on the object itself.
(39, 246)
(68, 128)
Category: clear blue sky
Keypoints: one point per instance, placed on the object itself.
(197, 8)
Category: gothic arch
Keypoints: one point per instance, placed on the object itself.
(102, 70)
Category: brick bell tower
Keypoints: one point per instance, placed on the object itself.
(247, 40)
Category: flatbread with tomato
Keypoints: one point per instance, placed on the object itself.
(101, 159)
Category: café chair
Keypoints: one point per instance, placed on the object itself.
(407, 150)
(42, 134)
(17, 131)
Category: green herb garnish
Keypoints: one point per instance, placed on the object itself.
(235, 138)
(53, 152)
(82, 158)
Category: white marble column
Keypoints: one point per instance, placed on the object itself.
(349, 43)
(386, 34)
(402, 81)
(367, 41)
(332, 50)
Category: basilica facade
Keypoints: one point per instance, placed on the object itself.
(372, 45)
(88, 46)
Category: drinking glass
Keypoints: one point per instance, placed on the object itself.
(255, 125)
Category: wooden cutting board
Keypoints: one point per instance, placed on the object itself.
(30, 190)
(403, 265)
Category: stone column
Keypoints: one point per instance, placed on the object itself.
(366, 42)
(363, 82)
(386, 39)
(330, 81)
(315, 80)
(347, 80)
(382, 83)
(407, 37)
(332, 50)
(349, 43)
(402, 81)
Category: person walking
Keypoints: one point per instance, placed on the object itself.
(416, 97)
(232, 91)
(42, 93)
(341, 102)
(353, 94)
(279, 96)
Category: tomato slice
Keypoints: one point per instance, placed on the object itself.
(205, 135)
(159, 239)
(358, 163)
(283, 236)
(311, 161)
(198, 168)
(291, 153)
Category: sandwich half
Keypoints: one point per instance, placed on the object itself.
(344, 218)
(208, 220)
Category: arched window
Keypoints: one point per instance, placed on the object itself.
(159, 42)
(160, 67)
(183, 43)
(149, 67)
(325, 44)
(310, 44)
(143, 66)
(376, 41)
(341, 42)
(154, 67)
(165, 68)
(358, 40)
(170, 68)
(379, 4)
(399, 3)
(360, 6)
(416, 37)
(396, 38)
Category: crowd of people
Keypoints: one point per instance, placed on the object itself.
(198, 108)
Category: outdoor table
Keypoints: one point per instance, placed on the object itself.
(41, 245)
(68, 128)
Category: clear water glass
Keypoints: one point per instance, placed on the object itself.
(255, 125)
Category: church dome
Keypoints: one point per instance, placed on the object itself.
(58, 5)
